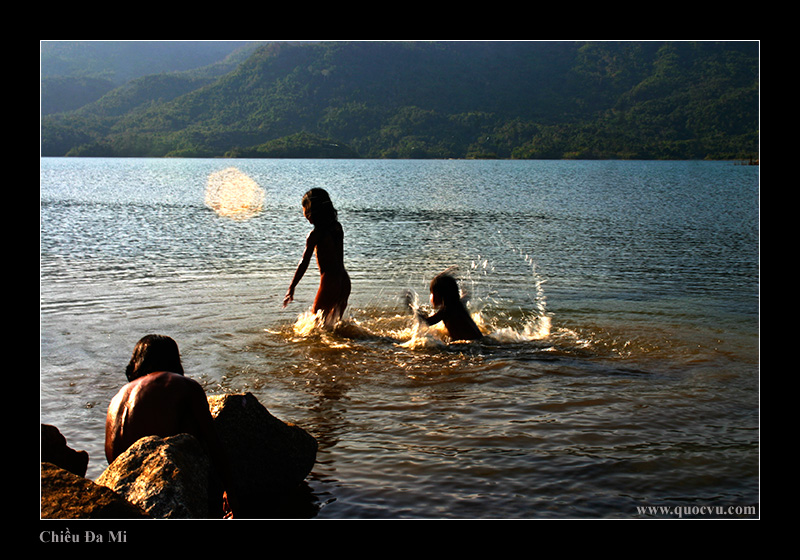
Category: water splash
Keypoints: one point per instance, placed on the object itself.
(523, 317)
(418, 334)
(503, 318)
(310, 324)
(233, 194)
(307, 323)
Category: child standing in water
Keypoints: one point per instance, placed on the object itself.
(327, 240)
(446, 299)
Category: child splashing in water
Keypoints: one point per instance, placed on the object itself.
(450, 309)
(327, 240)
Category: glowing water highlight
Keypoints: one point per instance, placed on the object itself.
(234, 194)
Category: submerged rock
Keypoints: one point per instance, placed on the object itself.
(166, 477)
(269, 458)
(66, 495)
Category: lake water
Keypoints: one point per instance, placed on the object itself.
(619, 377)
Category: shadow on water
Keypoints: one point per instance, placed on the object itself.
(299, 503)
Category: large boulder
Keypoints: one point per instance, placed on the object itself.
(54, 449)
(172, 477)
(269, 458)
(166, 477)
(66, 495)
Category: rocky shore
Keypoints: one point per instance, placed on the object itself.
(172, 478)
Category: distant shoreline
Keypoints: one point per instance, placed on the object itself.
(735, 161)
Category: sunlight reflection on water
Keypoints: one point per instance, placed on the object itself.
(234, 194)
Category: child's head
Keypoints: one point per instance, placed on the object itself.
(318, 208)
(154, 352)
(444, 290)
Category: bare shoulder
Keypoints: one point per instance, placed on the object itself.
(161, 381)
(181, 381)
(311, 241)
(119, 398)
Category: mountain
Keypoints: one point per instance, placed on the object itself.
(75, 73)
(529, 99)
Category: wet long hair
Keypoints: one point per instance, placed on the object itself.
(445, 286)
(319, 207)
(154, 352)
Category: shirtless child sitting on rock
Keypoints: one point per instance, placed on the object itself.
(160, 401)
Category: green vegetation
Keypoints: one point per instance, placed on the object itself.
(526, 100)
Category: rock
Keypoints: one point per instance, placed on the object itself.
(55, 450)
(66, 495)
(269, 458)
(166, 477)
(172, 477)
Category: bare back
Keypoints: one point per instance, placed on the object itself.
(329, 244)
(161, 404)
(457, 321)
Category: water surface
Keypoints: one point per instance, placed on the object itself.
(619, 299)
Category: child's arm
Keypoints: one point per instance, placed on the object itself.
(411, 303)
(433, 319)
(311, 244)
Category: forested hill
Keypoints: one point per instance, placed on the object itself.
(75, 73)
(531, 99)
